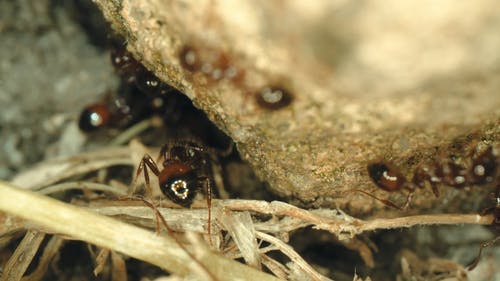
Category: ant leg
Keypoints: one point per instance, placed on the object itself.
(384, 201)
(157, 214)
(408, 201)
(146, 163)
(483, 245)
(435, 190)
(163, 152)
(170, 231)
(208, 191)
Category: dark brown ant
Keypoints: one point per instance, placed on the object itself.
(140, 96)
(120, 110)
(214, 64)
(273, 97)
(132, 71)
(217, 65)
(481, 170)
(125, 64)
(186, 169)
(94, 116)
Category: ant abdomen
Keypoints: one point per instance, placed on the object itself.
(94, 117)
(386, 176)
(273, 97)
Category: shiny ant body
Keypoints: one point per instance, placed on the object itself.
(121, 109)
(133, 72)
(273, 98)
(186, 169)
(217, 65)
(213, 64)
(481, 169)
(141, 94)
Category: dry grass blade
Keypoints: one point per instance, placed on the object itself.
(341, 225)
(23, 255)
(53, 171)
(294, 256)
(49, 252)
(119, 270)
(118, 236)
(240, 227)
(82, 185)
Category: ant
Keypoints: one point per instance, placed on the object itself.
(215, 65)
(481, 169)
(141, 94)
(120, 110)
(133, 72)
(186, 169)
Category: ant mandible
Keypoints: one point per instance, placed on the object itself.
(480, 170)
(187, 169)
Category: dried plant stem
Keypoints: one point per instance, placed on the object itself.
(424, 220)
(53, 171)
(22, 257)
(338, 223)
(294, 256)
(343, 225)
(82, 185)
(135, 130)
(118, 236)
(49, 252)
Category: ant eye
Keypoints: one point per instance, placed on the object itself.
(274, 98)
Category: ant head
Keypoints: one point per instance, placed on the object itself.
(93, 117)
(178, 181)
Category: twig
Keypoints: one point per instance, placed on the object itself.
(106, 232)
(343, 226)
